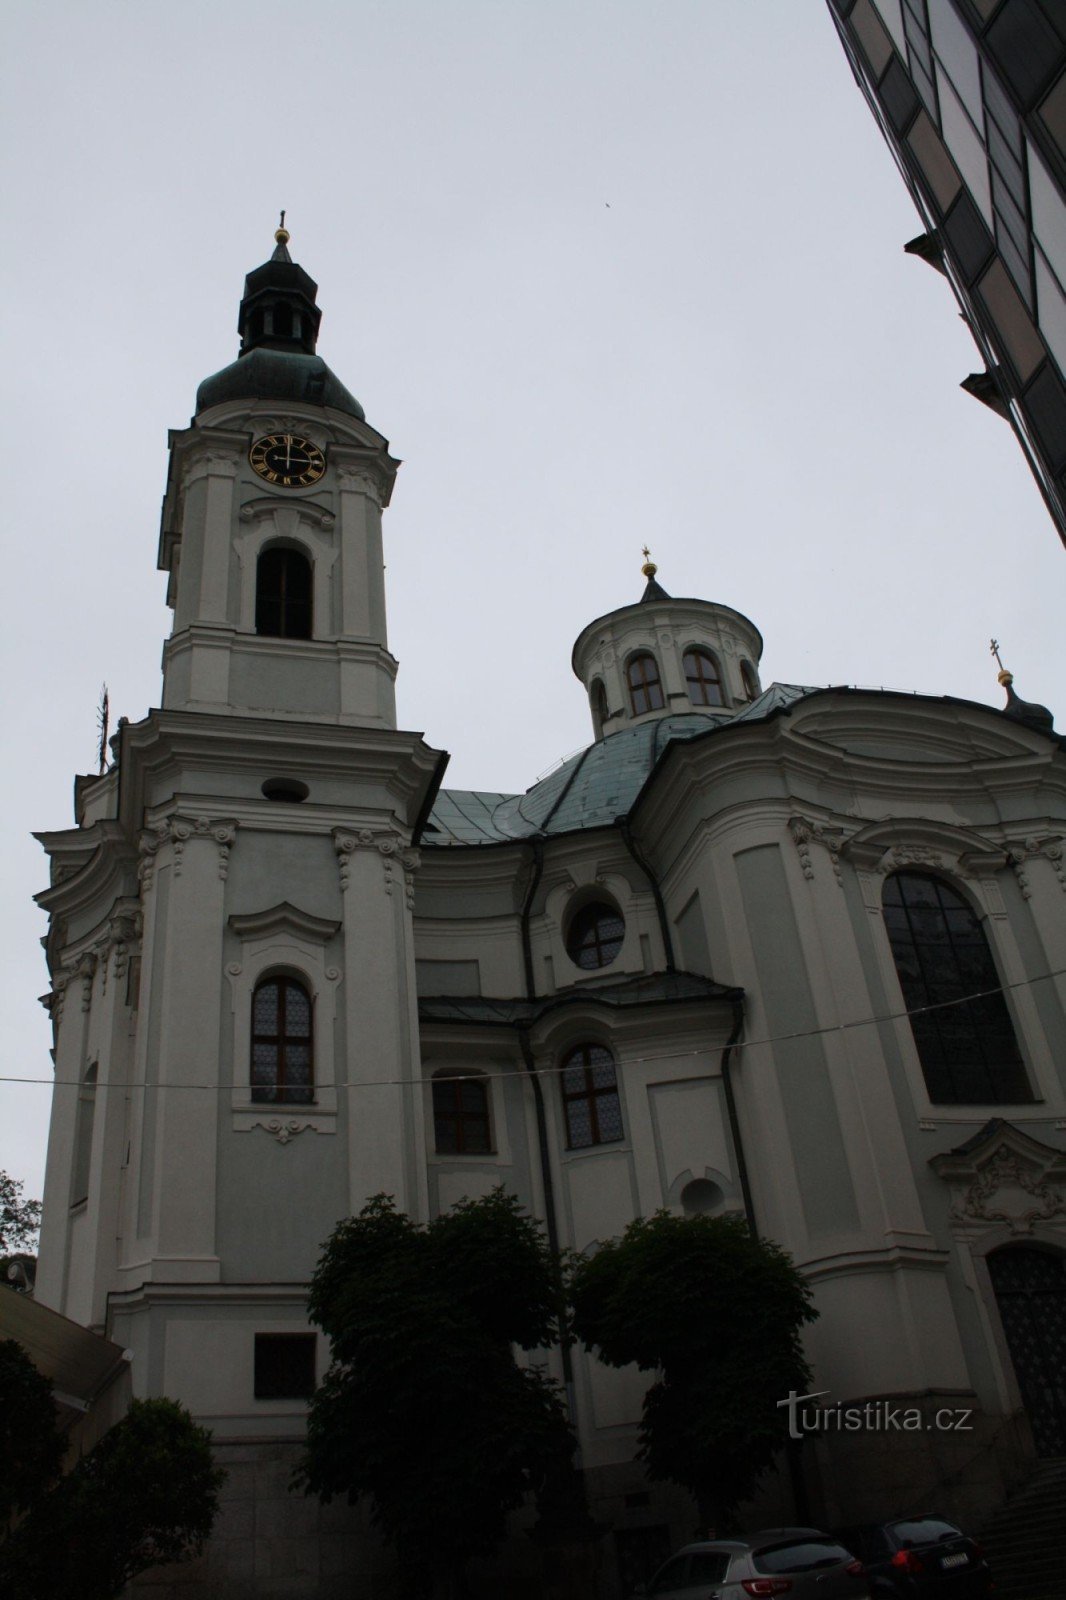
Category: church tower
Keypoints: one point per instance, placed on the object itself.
(235, 900)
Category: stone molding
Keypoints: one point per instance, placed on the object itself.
(177, 831)
(1021, 851)
(389, 846)
(257, 924)
(805, 833)
(1003, 1176)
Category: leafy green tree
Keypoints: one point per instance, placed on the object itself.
(424, 1410)
(717, 1313)
(146, 1493)
(20, 1219)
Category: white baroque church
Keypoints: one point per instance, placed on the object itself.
(795, 953)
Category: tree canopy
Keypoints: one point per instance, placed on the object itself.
(145, 1494)
(718, 1314)
(19, 1219)
(424, 1409)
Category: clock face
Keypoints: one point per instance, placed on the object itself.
(287, 460)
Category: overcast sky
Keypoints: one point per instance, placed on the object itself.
(603, 273)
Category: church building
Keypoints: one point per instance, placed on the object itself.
(787, 952)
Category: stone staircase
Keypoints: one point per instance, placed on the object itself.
(1025, 1542)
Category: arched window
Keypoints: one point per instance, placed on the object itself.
(282, 1062)
(749, 680)
(461, 1115)
(282, 321)
(283, 594)
(703, 678)
(83, 1136)
(590, 1097)
(966, 1046)
(595, 935)
(645, 687)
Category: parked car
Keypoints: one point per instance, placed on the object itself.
(924, 1556)
(799, 1562)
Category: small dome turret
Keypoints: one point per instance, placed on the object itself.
(661, 656)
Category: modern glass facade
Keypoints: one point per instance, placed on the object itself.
(971, 98)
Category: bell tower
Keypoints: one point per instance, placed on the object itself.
(271, 527)
(230, 939)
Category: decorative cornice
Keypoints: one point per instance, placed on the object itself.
(389, 846)
(288, 514)
(1004, 1176)
(1022, 851)
(258, 924)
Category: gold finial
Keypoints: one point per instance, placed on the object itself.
(649, 568)
(282, 235)
(1002, 676)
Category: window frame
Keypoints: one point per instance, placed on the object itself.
(991, 980)
(643, 684)
(590, 1093)
(296, 553)
(460, 1079)
(701, 655)
(606, 910)
(279, 1094)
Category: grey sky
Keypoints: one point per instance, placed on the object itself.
(602, 273)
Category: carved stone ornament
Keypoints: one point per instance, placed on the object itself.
(1004, 1176)
(85, 968)
(367, 480)
(178, 831)
(805, 833)
(389, 846)
(1022, 851)
(283, 1131)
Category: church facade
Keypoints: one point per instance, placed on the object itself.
(794, 953)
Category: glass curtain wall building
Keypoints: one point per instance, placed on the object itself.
(971, 98)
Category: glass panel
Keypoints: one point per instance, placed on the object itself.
(265, 1009)
(1000, 109)
(297, 1063)
(872, 35)
(965, 146)
(898, 96)
(1006, 164)
(958, 53)
(297, 1011)
(579, 1124)
(1017, 336)
(1049, 216)
(609, 1117)
(446, 1130)
(1007, 212)
(893, 20)
(1051, 310)
(476, 1135)
(603, 1075)
(1025, 48)
(574, 1079)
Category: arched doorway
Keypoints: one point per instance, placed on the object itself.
(1030, 1288)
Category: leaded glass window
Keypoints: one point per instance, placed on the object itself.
(595, 935)
(703, 678)
(283, 594)
(590, 1097)
(962, 1028)
(461, 1115)
(645, 686)
(282, 1061)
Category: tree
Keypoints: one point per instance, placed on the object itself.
(19, 1219)
(424, 1410)
(145, 1494)
(718, 1314)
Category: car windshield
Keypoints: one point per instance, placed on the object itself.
(923, 1530)
(800, 1556)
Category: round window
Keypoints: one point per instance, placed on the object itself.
(595, 935)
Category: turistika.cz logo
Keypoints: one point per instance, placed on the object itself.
(872, 1416)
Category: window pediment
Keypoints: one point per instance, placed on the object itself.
(284, 917)
(923, 842)
(1003, 1176)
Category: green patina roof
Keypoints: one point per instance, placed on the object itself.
(591, 789)
(264, 374)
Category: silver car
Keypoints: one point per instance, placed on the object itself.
(802, 1563)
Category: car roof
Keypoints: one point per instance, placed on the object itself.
(755, 1541)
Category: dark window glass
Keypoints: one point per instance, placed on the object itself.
(1006, 163)
(800, 1556)
(283, 322)
(919, 44)
(923, 1530)
(1001, 113)
(703, 678)
(707, 1566)
(461, 1116)
(283, 594)
(747, 677)
(1045, 405)
(898, 97)
(284, 1366)
(590, 1097)
(1009, 214)
(281, 1043)
(1025, 48)
(673, 1576)
(967, 1048)
(967, 236)
(645, 689)
(595, 935)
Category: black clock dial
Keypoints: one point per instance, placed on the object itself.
(287, 460)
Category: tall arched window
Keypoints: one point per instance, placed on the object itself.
(966, 1041)
(283, 594)
(461, 1115)
(282, 1061)
(83, 1136)
(703, 678)
(645, 686)
(590, 1097)
(749, 680)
